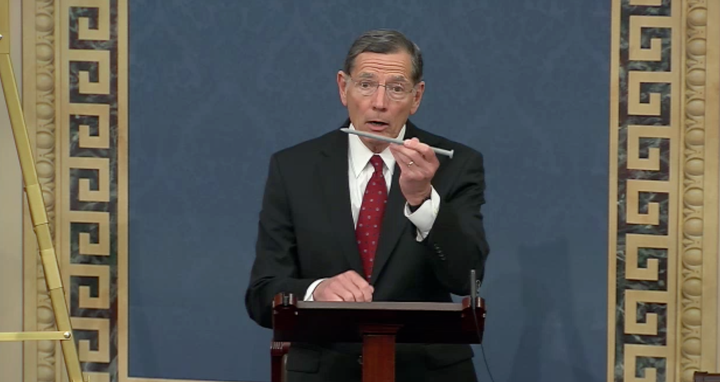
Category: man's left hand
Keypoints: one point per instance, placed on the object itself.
(418, 165)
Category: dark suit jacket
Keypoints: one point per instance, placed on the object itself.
(306, 232)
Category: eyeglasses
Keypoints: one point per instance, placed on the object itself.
(396, 91)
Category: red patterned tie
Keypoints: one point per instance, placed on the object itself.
(370, 218)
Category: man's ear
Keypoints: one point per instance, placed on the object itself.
(417, 97)
(342, 87)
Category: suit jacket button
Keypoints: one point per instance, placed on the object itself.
(360, 359)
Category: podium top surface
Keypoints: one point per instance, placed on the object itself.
(411, 322)
(402, 306)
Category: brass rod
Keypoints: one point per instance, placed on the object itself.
(34, 336)
(38, 213)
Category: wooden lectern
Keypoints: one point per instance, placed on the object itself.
(377, 325)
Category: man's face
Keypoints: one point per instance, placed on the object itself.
(378, 113)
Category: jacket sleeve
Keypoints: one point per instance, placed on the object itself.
(457, 239)
(275, 269)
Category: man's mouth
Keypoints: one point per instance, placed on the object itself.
(377, 125)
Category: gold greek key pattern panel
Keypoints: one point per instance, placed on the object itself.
(100, 298)
(645, 147)
(101, 69)
(653, 3)
(637, 51)
(101, 30)
(635, 134)
(97, 223)
(636, 188)
(100, 329)
(98, 112)
(100, 167)
(636, 106)
(662, 314)
(633, 243)
(633, 299)
(88, 116)
(633, 353)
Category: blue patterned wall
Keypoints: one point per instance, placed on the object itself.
(216, 86)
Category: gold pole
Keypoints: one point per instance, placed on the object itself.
(34, 336)
(37, 210)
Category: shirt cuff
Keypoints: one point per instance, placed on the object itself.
(311, 289)
(424, 217)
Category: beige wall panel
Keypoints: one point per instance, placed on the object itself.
(11, 199)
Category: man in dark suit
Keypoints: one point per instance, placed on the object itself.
(346, 218)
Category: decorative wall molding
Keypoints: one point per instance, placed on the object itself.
(76, 108)
(39, 101)
(662, 288)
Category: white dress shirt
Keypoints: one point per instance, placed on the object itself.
(360, 171)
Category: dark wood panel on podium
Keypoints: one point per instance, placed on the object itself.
(377, 325)
(701, 376)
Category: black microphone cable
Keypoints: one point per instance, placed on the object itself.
(475, 288)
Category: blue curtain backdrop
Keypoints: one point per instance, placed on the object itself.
(216, 86)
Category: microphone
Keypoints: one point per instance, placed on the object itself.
(473, 290)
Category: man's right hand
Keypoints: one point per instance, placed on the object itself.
(347, 286)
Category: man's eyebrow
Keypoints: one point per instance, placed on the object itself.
(366, 75)
(395, 78)
(399, 78)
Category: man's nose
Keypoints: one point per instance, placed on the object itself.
(380, 98)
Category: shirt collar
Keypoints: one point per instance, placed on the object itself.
(360, 155)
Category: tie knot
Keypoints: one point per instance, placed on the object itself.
(377, 162)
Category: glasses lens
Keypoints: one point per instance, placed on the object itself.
(366, 87)
(396, 91)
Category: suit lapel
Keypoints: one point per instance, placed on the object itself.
(332, 173)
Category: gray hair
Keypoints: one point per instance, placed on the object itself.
(384, 42)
